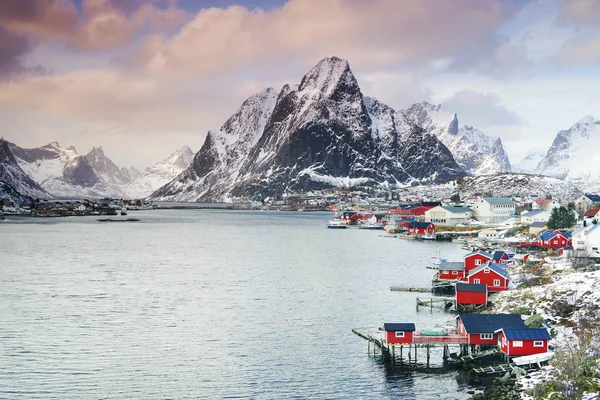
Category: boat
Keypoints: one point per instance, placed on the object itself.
(391, 228)
(438, 260)
(533, 359)
(337, 222)
(428, 237)
(123, 211)
(371, 223)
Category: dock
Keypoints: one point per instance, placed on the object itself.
(421, 339)
(410, 289)
(495, 369)
(481, 354)
(442, 302)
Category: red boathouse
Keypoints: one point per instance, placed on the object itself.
(471, 294)
(475, 259)
(451, 270)
(493, 275)
(481, 328)
(523, 342)
(399, 333)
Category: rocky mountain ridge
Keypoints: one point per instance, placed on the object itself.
(322, 133)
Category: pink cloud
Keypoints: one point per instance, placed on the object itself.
(587, 11)
(373, 33)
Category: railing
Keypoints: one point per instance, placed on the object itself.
(451, 337)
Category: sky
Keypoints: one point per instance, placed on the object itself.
(142, 78)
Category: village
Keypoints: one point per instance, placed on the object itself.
(510, 254)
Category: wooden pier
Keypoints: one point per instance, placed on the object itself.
(442, 302)
(495, 369)
(410, 289)
(420, 340)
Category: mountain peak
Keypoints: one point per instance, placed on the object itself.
(587, 120)
(326, 75)
(453, 127)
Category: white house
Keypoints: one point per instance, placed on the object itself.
(586, 201)
(579, 237)
(545, 204)
(532, 216)
(490, 234)
(493, 209)
(448, 215)
(592, 241)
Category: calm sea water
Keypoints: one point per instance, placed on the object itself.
(209, 304)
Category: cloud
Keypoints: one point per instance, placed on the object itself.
(581, 11)
(481, 109)
(101, 25)
(375, 33)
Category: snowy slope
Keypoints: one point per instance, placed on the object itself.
(529, 163)
(575, 154)
(160, 173)
(13, 175)
(321, 133)
(65, 173)
(475, 152)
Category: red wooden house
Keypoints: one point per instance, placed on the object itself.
(493, 275)
(471, 294)
(451, 270)
(475, 259)
(481, 328)
(421, 228)
(399, 333)
(500, 257)
(555, 239)
(523, 341)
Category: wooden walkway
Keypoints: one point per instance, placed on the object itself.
(495, 369)
(480, 354)
(410, 289)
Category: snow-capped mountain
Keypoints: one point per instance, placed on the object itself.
(160, 173)
(12, 174)
(529, 163)
(575, 153)
(65, 173)
(318, 134)
(475, 152)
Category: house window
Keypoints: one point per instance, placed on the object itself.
(538, 343)
(400, 334)
(496, 282)
(454, 272)
(486, 336)
(486, 271)
(517, 343)
(555, 242)
(476, 281)
(477, 262)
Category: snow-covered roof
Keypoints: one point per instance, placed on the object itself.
(532, 213)
(456, 209)
(498, 200)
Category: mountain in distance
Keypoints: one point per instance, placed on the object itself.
(529, 163)
(575, 153)
(475, 152)
(322, 133)
(65, 173)
(12, 175)
(160, 173)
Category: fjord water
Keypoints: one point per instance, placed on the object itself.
(209, 304)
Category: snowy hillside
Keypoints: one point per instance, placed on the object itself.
(475, 152)
(160, 173)
(63, 172)
(575, 154)
(11, 174)
(529, 163)
(504, 184)
(321, 133)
